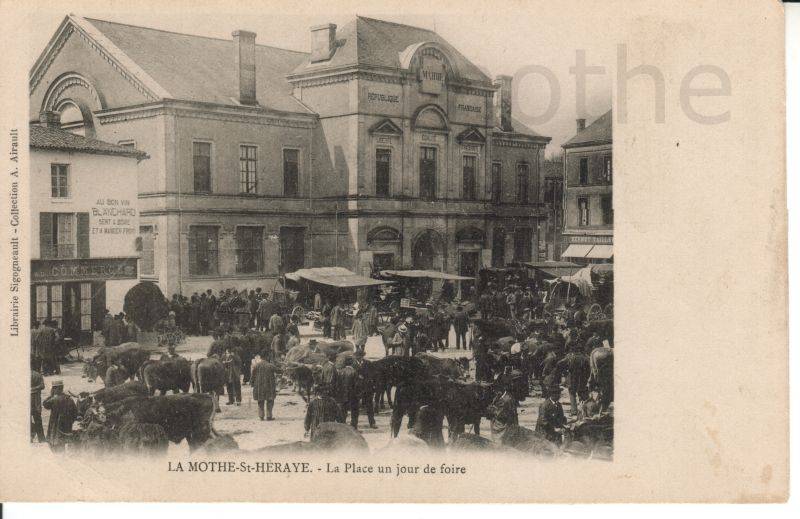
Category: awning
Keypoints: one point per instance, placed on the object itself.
(334, 276)
(558, 271)
(601, 252)
(576, 251)
(431, 274)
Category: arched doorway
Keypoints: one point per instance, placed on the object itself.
(427, 251)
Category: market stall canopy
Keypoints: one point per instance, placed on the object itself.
(589, 251)
(431, 274)
(551, 269)
(334, 276)
(581, 279)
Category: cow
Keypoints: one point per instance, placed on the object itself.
(114, 394)
(302, 377)
(450, 368)
(183, 416)
(601, 364)
(466, 404)
(413, 394)
(208, 376)
(388, 372)
(142, 438)
(129, 355)
(165, 375)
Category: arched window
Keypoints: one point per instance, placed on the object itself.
(72, 119)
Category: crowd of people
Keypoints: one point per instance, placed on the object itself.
(252, 335)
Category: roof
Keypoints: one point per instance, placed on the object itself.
(370, 42)
(599, 132)
(334, 276)
(43, 137)
(199, 68)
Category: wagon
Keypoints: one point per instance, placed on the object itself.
(413, 291)
(590, 288)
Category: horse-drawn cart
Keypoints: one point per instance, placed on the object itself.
(415, 291)
(590, 288)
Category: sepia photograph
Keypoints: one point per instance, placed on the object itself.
(246, 247)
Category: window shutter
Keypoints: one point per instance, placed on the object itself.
(45, 235)
(83, 235)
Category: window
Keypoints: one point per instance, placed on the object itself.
(203, 249)
(147, 258)
(41, 302)
(64, 237)
(522, 244)
(293, 248)
(584, 174)
(607, 168)
(383, 172)
(382, 261)
(497, 185)
(607, 206)
(291, 169)
(427, 173)
(201, 160)
(56, 299)
(469, 177)
(59, 180)
(249, 250)
(522, 183)
(583, 212)
(247, 169)
(86, 306)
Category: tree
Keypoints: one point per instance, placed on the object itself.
(145, 305)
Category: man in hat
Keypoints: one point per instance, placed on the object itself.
(576, 365)
(329, 378)
(347, 392)
(365, 389)
(321, 409)
(551, 419)
(460, 325)
(46, 339)
(63, 413)
(233, 372)
(264, 385)
(37, 385)
(359, 330)
(337, 321)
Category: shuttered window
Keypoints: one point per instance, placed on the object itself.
(523, 173)
(147, 258)
(383, 172)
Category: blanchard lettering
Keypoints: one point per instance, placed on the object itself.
(373, 96)
(469, 108)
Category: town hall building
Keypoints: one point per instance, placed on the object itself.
(384, 147)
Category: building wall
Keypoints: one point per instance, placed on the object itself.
(594, 190)
(97, 183)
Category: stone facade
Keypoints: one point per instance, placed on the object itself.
(429, 112)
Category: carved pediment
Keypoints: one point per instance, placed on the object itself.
(386, 127)
(471, 134)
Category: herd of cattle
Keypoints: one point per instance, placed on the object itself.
(130, 417)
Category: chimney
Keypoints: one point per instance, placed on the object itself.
(581, 124)
(244, 43)
(50, 119)
(502, 103)
(323, 42)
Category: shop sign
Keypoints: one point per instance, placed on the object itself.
(87, 269)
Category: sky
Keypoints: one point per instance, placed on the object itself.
(519, 39)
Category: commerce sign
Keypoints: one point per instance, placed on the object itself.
(86, 269)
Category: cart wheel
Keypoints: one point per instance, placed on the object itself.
(299, 312)
(609, 311)
(595, 312)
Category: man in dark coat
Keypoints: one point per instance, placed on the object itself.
(576, 365)
(347, 395)
(321, 409)
(461, 325)
(37, 385)
(264, 386)
(365, 388)
(503, 411)
(48, 339)
(63, 413)
(233, 373)
(551, 416)
(483, 371)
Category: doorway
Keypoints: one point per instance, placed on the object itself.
(293, 248)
